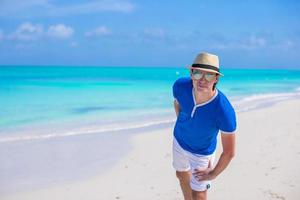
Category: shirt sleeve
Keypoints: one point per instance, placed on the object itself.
(227, 118)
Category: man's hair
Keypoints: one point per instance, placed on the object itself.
(214, 86)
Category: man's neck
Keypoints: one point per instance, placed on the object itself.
(202, 97)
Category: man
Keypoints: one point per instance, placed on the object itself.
(202, 111)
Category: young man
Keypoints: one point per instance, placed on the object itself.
(202, 111)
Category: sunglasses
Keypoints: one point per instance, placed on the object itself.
(197, 75)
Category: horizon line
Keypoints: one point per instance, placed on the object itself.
(135, 66)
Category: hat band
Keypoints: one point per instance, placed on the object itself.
(205, 67)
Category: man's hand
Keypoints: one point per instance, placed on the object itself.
(228, 144)
(203, 175)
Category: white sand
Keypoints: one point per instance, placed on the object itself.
(266, 165)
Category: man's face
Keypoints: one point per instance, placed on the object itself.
(203, 81)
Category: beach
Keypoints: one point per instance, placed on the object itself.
(92, 94)
(265, 166)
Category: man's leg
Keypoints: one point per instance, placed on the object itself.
(184, 179)
(199, 188)
(199, 195)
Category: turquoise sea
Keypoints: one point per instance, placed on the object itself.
(58, 101)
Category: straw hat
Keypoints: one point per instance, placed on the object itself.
(207, 62)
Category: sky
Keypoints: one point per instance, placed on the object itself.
(151, 33)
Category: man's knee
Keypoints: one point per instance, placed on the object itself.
(183, 176)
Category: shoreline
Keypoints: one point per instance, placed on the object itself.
(244, 104)
(266, 163)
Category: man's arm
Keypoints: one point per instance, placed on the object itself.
(228, 144)
(176, 107)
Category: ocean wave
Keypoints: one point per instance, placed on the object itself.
(96, 130)
(262, 100)
(241, 104)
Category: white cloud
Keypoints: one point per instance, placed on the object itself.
(289, 44)
(60, 31)
(34, 8)
(248, 42)
(14, 5)
(27, 32)
(92, 7)
(15, 8)
(253, 42)
(100, 31)
(154, 33)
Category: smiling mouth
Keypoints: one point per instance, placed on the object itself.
(201, 85)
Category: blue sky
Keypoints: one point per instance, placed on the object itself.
(245, 34)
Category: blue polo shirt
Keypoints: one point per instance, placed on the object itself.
(197, 126)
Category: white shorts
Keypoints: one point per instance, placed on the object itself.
(184, 161)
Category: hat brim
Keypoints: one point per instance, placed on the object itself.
(207, 70)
